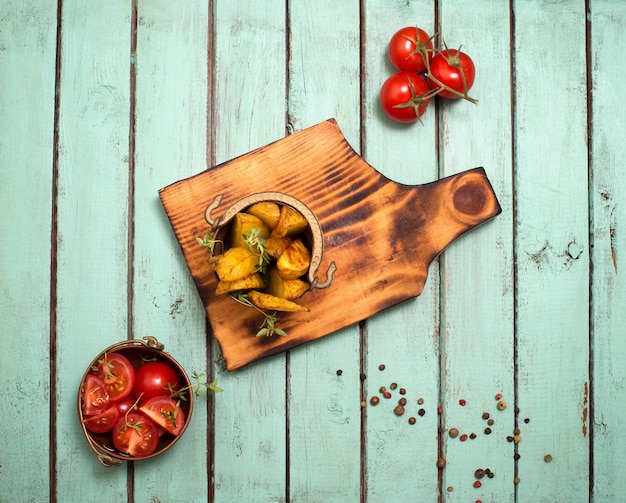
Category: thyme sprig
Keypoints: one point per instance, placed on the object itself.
(268, 327)
(198, 386)
(256, 245)
(208, 241)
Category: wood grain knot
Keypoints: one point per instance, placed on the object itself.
(470, 198)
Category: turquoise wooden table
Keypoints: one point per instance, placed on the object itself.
(104, 103)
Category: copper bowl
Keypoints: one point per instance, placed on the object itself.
(136, 351)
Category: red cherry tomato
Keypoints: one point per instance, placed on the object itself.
(104, 422)
(154, 379)
(117, 373)
(454, 69)
(165, 412)
(408, 47)
(135, 434)
(126, 403)
(94, 396)
(404, 96)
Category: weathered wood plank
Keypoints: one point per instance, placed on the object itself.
(324, 408)
(27, 80)
(477, 272)
(170, 143)
(92, 224)
(552, 249)
(401, 459)
(607, 21)
(248, 112)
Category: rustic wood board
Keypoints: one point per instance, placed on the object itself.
(380, 235)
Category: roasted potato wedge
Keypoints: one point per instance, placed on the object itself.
(290, 223)
(242, 224)
(235, 264)
(274, 247)
(253, 282)
(271, 303)
(289, 289)
(294, 261)
(267, 211)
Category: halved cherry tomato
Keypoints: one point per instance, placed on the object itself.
(94, 396)
(154, 379)
(165, 412)
(117, 373)
(104, 422)
(135, 434)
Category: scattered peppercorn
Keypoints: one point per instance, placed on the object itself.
(393, 385)
(479, 474)
(374, 400)
(441, 462)
(498, 396)
(472, 436)
(463, 437)
(516, 456)
(490, 422)
(402, 391)
(485, 415)
(516, 410)
(516, 431)
(421, 412)
(362, 377)
(489, 473)
(462, 402)
(412, 420)
(363, 403)
(387, 394)
(517, 439)
(478, 484)
(339, 372)
(439, 410)
(547, 458)
(450, 489)
(420, 401)
(399, 410)
(501, 405)
(527, 420)
(382, 389)
(509, 438)
(402, 401)
(381, 367)
(487, 431)
(516, 480)
(453, 433)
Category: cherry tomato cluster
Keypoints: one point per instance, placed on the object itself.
(136, 405)
(423, 73)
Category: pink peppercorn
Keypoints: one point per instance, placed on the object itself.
(463, 437)
(478, 484)
(462, 403)
(386, 394)
(498, 396)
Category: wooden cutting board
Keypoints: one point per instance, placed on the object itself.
(379, 236)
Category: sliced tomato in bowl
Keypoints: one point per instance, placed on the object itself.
(101, 423)
(165, 412)
(117, 373)
(94, 396)
(136, 435)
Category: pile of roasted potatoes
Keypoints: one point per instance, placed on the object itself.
(265, 257)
